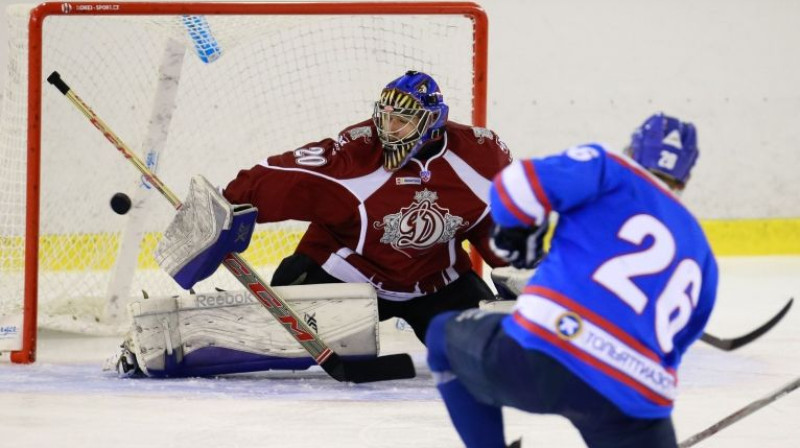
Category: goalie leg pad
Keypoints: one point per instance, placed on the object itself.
(510, 281)
(230, 332)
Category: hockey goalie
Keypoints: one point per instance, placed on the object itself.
(229, 331)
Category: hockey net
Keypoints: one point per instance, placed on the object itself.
(195, 89)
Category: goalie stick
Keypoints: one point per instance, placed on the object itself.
(740, 414)
(389, 367)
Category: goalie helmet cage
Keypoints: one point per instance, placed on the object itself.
(196, 88)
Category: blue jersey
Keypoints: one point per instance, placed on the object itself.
(629, 282)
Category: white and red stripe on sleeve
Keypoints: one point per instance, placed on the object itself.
(521, 193)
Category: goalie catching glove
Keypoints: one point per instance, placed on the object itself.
(523, 247)
(204, 231)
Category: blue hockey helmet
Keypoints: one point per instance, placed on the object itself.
(666, 146)
(409, 114)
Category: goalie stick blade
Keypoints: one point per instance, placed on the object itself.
(734, 343)
(382, 368)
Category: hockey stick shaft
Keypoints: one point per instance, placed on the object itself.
(740, 414)
(247, 276)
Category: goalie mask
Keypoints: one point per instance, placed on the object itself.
(666, 146)
(409, 114)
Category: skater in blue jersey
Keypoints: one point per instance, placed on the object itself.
(599, 331)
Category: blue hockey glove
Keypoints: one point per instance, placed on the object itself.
(523, 247)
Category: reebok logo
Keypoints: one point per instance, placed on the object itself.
(673, 139)
(224, 299)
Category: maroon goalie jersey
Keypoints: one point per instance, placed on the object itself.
(400, 231)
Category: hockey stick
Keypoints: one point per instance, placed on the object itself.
(506, 282)
(740, 414)
(729, 344)
(389, 367)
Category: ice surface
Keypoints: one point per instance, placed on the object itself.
(65, 400)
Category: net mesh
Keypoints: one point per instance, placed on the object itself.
(249, 86)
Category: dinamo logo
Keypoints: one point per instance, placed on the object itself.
(420, 225)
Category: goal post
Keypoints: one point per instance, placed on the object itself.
(249, 80)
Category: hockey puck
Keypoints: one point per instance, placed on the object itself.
(120, 203)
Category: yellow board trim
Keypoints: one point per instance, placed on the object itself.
(744, 237)
(753, 236)
(740, 237)
(99, 251)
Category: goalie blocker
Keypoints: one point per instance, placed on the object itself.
(228, 332)
(206, 228)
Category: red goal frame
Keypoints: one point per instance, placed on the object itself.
(35, 27)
